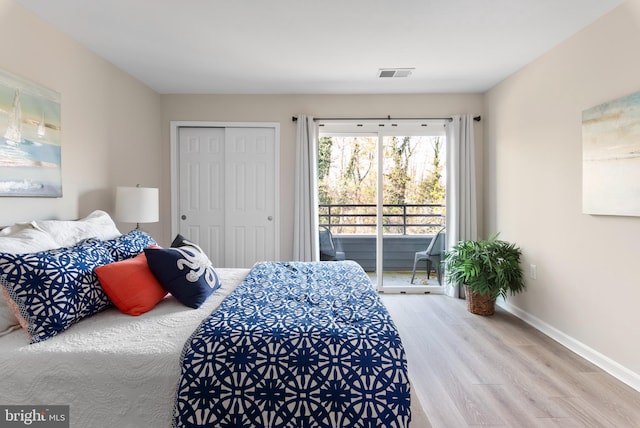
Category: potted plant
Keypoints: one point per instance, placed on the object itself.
(487, 269)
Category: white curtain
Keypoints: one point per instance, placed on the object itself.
(462, 223)
(305, 222)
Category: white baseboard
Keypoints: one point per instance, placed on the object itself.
(605, 363)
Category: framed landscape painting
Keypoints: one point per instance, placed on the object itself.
(30, 150)
(611, 158)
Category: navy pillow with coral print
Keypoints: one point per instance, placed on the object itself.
(129, 245)
(186, 272)
(52, 290)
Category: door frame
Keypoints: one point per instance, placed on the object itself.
(373, 128)
(175, 126)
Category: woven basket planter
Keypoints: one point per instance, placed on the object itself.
(480, 304)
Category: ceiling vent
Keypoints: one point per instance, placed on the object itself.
(395, 72)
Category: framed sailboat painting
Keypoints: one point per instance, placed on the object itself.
(30, 146)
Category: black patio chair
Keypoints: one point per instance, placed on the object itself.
(433, 255)
(327, 246)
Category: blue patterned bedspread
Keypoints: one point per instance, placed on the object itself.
(296, 345)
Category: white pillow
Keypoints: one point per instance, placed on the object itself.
(20, 238)
(8, 321)
(98, 225)
(26, 240)
(12, 230)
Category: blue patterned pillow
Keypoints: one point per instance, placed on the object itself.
(129, 245)
(54, 289)
(186, 272)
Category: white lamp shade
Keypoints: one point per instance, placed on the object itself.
(137, 204)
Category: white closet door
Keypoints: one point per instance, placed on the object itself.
(250, 202)
(227, 193)
(202, 189)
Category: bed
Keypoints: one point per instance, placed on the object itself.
(114, 369)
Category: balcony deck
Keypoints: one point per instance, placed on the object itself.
(403, 278)
(398, 251)
(408, 228)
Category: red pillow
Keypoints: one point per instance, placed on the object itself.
(130, 285)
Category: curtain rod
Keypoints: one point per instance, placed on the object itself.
(315, 119)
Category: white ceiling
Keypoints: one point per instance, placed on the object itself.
(319, 47)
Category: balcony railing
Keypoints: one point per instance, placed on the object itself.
(402, 219)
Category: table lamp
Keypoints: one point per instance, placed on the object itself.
(137, 205)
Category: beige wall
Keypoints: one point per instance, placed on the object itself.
(280, 108)
(587, 287)
(110, 121)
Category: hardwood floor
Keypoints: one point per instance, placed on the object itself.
(468, 370)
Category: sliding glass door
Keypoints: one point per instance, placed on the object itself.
(381, 195)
